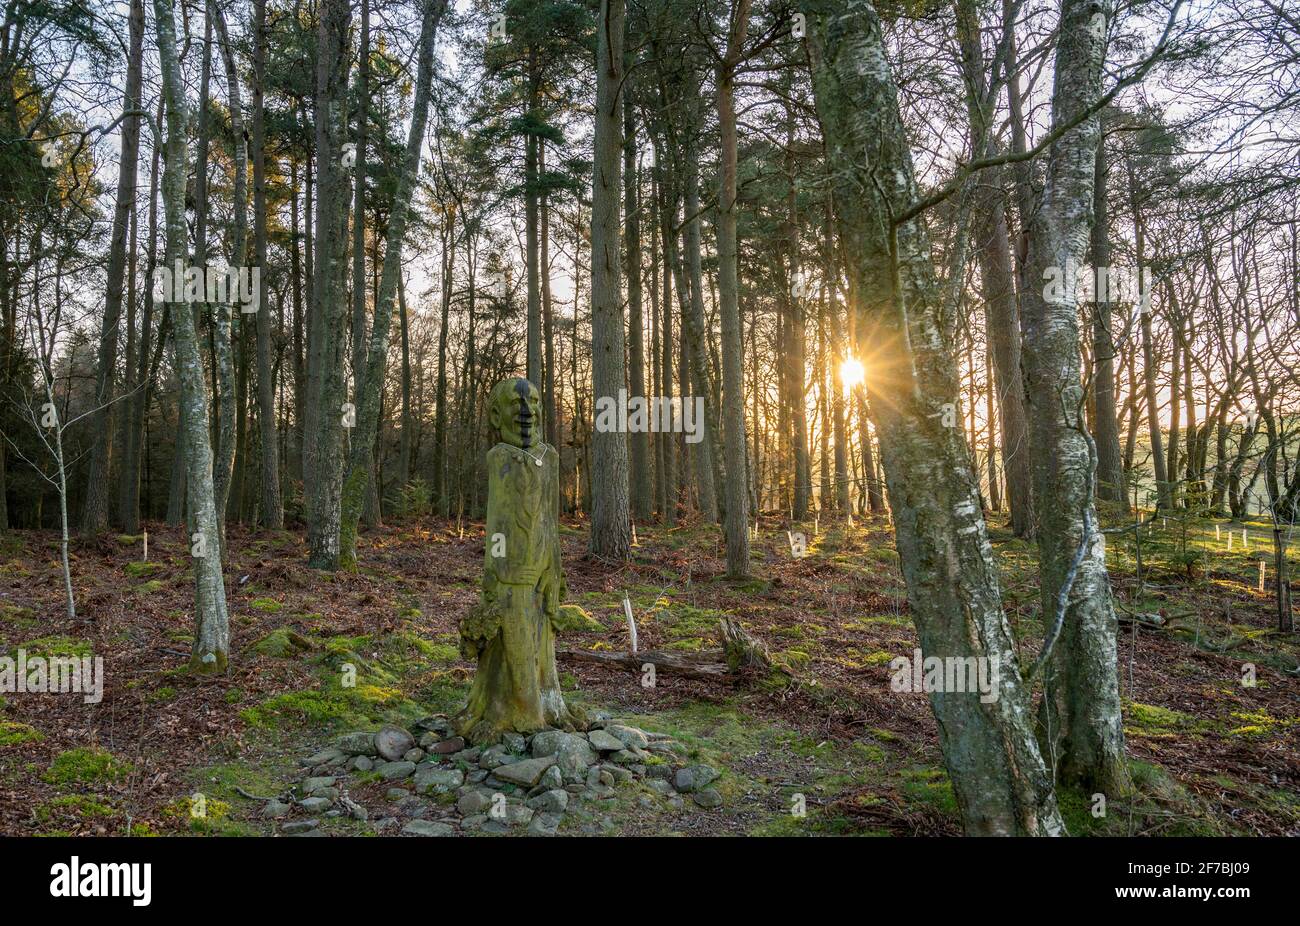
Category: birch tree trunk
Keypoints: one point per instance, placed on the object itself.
(1080, 714)
(211, 645)
(610, 529)
(998, 775)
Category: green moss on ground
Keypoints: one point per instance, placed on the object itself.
(88, 766)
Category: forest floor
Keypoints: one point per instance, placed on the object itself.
(1210, 755)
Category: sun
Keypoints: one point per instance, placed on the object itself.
(852, 373)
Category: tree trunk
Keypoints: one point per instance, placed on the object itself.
(736, 526)
(363, 439)
(998, 776)
(1080, 712)
(1110, 468)
(640, 482)
(272, 507)
(95, 511)
(323, 480)
(610, 528)
(212, 628)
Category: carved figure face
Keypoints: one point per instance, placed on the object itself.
(515, 411)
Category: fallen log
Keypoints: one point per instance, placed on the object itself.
(708, 666)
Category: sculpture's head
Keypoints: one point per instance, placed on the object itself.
(515, 412)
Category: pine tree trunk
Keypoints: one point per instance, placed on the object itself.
(95, 512)
(323, 477)
(640, 481)
(272, 515)
(736, 522)
(610, 529)
(363, 439)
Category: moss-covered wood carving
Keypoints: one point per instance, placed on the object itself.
(511, 631)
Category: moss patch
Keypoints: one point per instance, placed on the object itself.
(86, 765)
(13, 733)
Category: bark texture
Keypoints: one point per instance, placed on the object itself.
(998, 775)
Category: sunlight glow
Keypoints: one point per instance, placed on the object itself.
(851, 373)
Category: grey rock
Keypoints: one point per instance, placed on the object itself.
(326, 756)
(604, 741)
(648, 802)
(298, 826)
(630, 737)
(605, 778)
(357, 744)
(275, 809)
(573, 752)
(438, 780)
(694, 778)
(392, 771)
(361, 763)
(632, 756)
(315, 784)
(659, 770)
(707, 798)
(550, 801)
(314, 804)
(514, 742)
(392, 742)
(551, 779)
(493, 757)
(426, 740)
(621, 775)
(526, 773)
(396, 794)
(545, 824)
(474, 822)
(447, 747)
(473, 803)
(517, 815)
(435, 724)
(477, 775)
(428, 828)
(413, 755)
(660, 787)
(494, 826)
